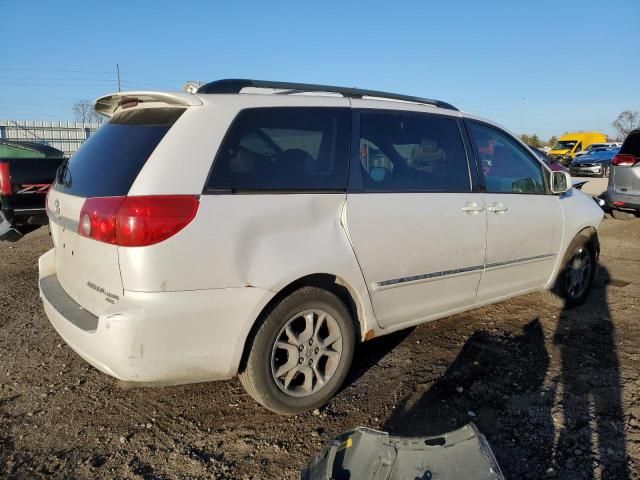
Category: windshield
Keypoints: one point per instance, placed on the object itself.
(565, 145)
(593, 146)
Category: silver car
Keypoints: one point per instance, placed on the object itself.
(623, 192)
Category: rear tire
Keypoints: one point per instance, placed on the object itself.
(576, 277)
(620, 215)
(301, 353)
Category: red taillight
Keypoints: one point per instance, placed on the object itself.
(5, 179)
(624, 160)
(98, 218)
(136, 221)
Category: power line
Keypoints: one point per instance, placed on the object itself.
(55, 84)
(135, 75)
(92, 72)
(23, 77)
(52, 70)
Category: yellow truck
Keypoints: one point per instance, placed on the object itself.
(570, 143)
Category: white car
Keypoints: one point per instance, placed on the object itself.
(265, 228)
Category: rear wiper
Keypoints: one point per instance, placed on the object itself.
(62, 171)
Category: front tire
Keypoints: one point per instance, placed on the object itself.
(300, 355)
(576, 277)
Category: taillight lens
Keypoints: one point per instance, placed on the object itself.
(5, 179)
(136, 221)
(624, 160)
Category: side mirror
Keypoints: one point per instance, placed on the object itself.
(560, 182)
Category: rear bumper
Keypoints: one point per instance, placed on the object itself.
(24, 213)
(12, 221)
(164, 337)
(629, 202)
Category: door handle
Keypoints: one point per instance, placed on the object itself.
(472, 207)
(497, 208)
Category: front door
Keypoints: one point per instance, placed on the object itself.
(417, 229)
(524, 221)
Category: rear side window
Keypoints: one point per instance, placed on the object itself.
(412, 152)
(108, 163)
(631, 145)
(289, 148)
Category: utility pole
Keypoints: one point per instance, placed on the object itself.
(522, 114)
(118, 75)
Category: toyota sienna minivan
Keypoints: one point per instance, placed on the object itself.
(265, 228)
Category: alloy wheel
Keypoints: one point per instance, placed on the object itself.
(578, 272)
(306, 353)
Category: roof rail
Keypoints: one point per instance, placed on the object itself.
(236, 86)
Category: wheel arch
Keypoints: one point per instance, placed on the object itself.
(326, 281)
(592, 235)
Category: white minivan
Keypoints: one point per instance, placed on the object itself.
(265, 228)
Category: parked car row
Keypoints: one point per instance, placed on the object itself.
(570, 144)
(594, 146)
(596, 162)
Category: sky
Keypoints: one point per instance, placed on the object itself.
(538, 67)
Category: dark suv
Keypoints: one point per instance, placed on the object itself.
(623, 192)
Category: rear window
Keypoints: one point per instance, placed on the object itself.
(632, 144)
(110, 160)
(284, 148)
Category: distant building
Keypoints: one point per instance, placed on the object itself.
(65, 136)
(19, 149)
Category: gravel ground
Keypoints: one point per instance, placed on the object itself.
(555, 392)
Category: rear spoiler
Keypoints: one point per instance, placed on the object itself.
(108, 104)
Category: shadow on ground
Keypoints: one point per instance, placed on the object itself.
(501, 382)
(370, 353)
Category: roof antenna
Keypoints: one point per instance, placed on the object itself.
(118, 75)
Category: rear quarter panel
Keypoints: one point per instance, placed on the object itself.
(251, 240)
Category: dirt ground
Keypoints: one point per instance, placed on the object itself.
(555, 392)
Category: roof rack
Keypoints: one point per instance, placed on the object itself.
(236, 86)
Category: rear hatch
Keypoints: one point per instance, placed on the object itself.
(104, 167)
(625, 178)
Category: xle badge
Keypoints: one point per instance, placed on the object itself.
(110, 297)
